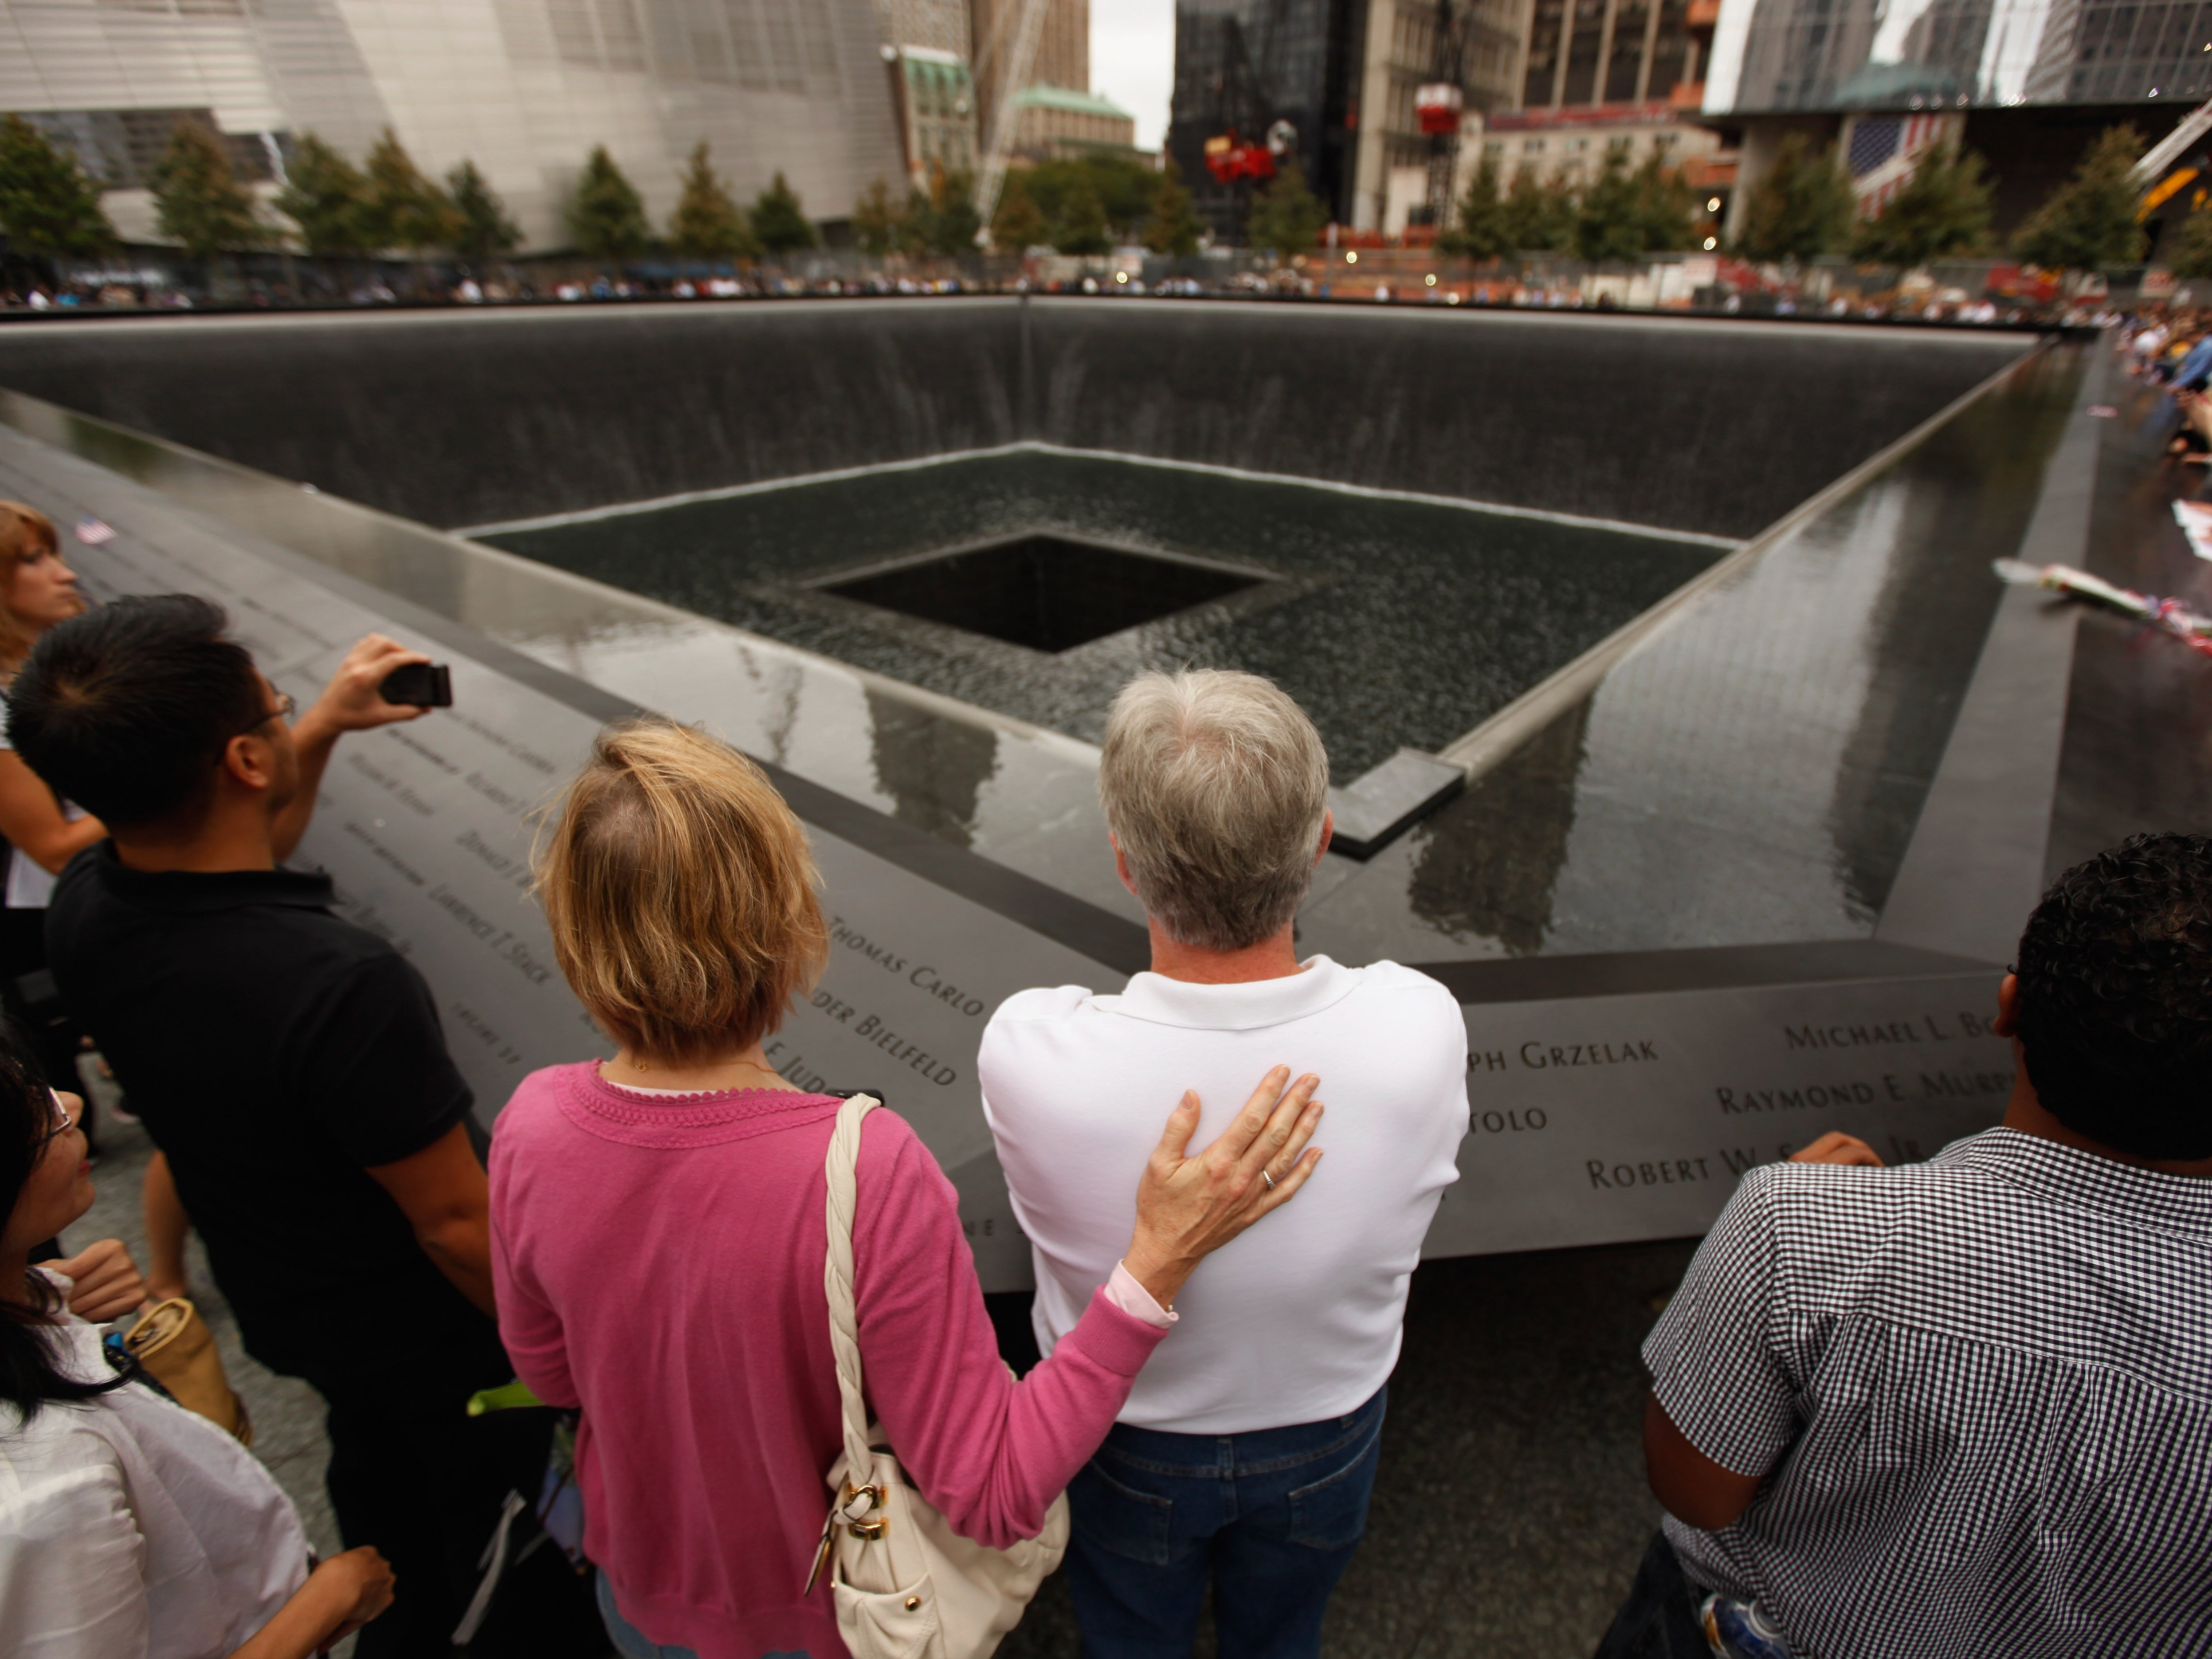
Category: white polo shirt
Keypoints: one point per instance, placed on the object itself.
(1299, 1320)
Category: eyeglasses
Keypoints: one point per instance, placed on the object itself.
(286, 704)
(62, 1122)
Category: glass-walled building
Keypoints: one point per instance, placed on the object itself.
(1774, 56)
(1249, 64)
(523, 88)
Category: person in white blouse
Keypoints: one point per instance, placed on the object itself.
(128, 1527)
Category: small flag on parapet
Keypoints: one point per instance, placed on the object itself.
(93, 532)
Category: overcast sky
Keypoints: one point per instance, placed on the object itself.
(1133, 61)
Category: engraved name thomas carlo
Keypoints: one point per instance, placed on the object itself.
(1857, 1075)
(904, 1049)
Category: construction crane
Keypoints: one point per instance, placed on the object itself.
(2150, 175)
(1441, 101)
(2172, 147)
(1013, 75)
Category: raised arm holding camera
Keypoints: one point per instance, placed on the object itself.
(289, 1064)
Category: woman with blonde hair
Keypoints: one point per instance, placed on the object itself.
(38, 590)
(658, 1231)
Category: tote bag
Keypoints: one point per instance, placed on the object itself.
(906, 1585)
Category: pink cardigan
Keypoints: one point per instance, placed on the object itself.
(660, 1265)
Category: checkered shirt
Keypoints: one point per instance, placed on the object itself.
(1983, 1385)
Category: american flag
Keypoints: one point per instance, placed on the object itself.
(93, 532)
(1887, 145)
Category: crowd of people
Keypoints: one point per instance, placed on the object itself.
(1960, 1408)
(1599, 291)
(2173, 348)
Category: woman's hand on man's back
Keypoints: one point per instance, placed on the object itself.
(1187, 1207)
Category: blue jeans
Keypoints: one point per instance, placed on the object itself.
(1659, 1620)
(1272, 1517)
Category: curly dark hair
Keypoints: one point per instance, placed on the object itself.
(2115, 998)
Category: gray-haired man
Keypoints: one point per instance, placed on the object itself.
(1248, 1449)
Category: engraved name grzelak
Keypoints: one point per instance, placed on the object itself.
(1927, 1028)
(1558, 1057)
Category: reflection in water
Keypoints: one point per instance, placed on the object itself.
(1924, 629)
(1498, 884)
(2138, 748)
(1751, 771)
(932, 768)
(781, 683)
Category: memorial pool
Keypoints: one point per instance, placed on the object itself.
(1396, 622)
(1691, 609)
(1814, 788)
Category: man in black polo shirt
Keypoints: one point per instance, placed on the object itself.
(287, 1064)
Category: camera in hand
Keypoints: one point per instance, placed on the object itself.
(425, 685)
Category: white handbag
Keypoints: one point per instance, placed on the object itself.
(906, 1585)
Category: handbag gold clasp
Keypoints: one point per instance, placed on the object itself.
(862, 1509)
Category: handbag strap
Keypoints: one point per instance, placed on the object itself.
(841, 1169)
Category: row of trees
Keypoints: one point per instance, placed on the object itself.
(1086, 204)
(1802, 207)
(1805, 206)
(48, 206)
(1621, 214)
(607, 219)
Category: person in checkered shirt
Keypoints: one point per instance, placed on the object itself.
(1964, 1408)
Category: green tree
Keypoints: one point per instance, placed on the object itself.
(1540, 214)
(402, 209)
(706, 223)
(1941, 210)
(2189, 251)
(198, 198)
(1019, 222)
(1666, 205)
(879, 223)
(946, 221)
(2090, 219)
(1609, 219)
(324, 194)
(780, 222)
(1479, 230)
(1285, 218)
(1080, 227)
(47, 205)
(606, 216)
(1174, 227)
(482, 229)
(1802, 205)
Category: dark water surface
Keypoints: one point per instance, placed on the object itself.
(1394, 622)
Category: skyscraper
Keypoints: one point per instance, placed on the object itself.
(1250, 64)
(523, 88)
(1063, 50)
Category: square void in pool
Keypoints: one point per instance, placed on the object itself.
(1049, 592)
